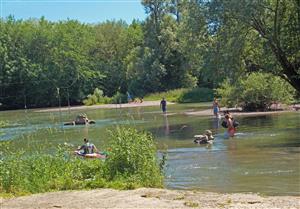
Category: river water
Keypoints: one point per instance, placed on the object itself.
(263, 157)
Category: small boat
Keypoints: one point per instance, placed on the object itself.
(81, 119)
(73, 123)
(92, 155)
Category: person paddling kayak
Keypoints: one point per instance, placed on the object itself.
(87, 147)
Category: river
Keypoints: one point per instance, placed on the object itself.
(263, 157)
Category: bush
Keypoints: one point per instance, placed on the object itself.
(171, 95)
(183, 95)
(229, 93)
(134, 156)
(257, 92)
(196, 95)
(132, 163)
(119, 98)
(96, 98)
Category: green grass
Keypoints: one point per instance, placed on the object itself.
(132, 163)
(183, 95)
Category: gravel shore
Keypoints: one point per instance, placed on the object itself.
(148, 198)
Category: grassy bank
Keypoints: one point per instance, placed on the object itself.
(183, 95)
(132, 163)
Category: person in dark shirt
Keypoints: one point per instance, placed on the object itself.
(87, 147)
(163, 105)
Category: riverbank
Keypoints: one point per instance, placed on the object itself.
(103, 106)
(236, 112)
(207, 112)
(148, 198)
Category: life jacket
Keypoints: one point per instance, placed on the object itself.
(88, 148)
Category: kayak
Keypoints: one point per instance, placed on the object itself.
(92, 155)
(72, 123)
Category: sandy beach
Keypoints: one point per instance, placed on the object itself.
(207, 112)
(148, 198)
(103, 106)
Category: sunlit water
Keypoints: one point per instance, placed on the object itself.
(263, 157)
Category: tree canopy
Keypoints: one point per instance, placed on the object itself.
(181, 43)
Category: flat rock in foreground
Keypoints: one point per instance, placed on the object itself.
(148, 198)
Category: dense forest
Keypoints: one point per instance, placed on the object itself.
(181, 44)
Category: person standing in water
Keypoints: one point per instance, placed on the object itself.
(163, 105)
(216, 108)
(230, 127)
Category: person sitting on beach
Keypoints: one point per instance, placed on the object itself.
(87, 147)
(206, 138)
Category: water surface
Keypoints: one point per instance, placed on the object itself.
(263, 157)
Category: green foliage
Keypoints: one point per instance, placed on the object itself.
(119, 98)
(229, 93)
(171, 95)
(133, 156)
(257, 92)
(181, 44)
(96, 98)
(183, 95)
(196, 95)
(132, 163)
(265, 35)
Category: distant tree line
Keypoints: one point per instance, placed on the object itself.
(181, 44)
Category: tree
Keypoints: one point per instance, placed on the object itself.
(275, 25)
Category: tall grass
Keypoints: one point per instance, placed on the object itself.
(183, 95)
(132, 163)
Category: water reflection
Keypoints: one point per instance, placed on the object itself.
(167, 128)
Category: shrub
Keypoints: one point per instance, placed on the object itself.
(171, 95)
(132, 163)
(260, 90)
(118, 98)
(183, 95)
(257, 92)
(229, 93)
(96, 98)
(134, 157)
(196, 95)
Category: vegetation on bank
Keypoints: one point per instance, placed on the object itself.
(132, 163)
(179, 45)
(183, 95)
(258, 91)
(98, 98)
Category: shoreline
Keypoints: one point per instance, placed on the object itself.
(102, 106)
(235, 112)
(207, 112)
(148, 198)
